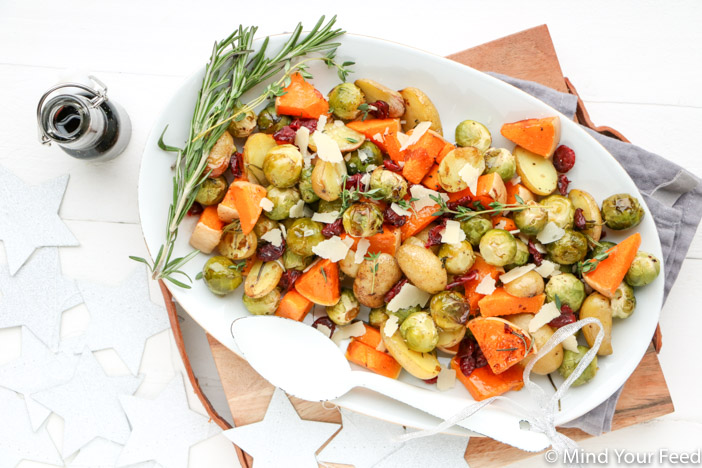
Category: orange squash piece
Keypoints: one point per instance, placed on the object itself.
(371, 337)
(431, 180)
(431, 141)
(376, 130)
(418, 221)
(507, 223)
(387, 241)
(540, 136)
(482, 269)
(372, 359)
(483, 383)
(417, 164)
(294, 306)
(247, 200)
(503, 343)
(609, 273)
(492, 187)
(448, 147)
(320, 284)
(517, 189)
(208, 230)
(500, 302)
(301, 99)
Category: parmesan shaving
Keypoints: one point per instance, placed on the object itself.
(378, 137)
(391, 325)
(453, 234)
(446, 379)
(408, 296)
(402, 138)
(302, 140)
(469, 174)
(371, 167)
(386, 131)
(515, 273)
(548, 312)
(550, 233)
(399, 210)
(283, 230)
(327, 149)
(338, 123)
(266, 204)
(322, 122)
(326, 218)
(325, 330)
(274, 236)
(297, 211)
(381, 346)
(417, 133)
(361, 250)
(547, 269)
(423, 196)
(333, 249)
(348, 331)
(486, 286)
(501, 224)
(570, 343)
(515, 180)
(365, 180)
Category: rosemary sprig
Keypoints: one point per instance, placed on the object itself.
(591, 264)
(233, 69)
(463, 212)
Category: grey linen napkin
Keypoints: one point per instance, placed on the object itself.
(674, 199)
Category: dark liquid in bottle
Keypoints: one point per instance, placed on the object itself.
(68, 122)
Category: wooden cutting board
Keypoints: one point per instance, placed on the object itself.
(529, 55)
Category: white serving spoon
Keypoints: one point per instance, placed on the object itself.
(306, 364)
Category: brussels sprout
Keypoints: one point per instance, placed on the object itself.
(457, 258)
(621, 211)
(221, 275)
(363, 219)
(643, 270)
(283, 166)
(571, 361)
(472, 133)
(283, 200)
(266, 305)
(344, 100)
(263, 225)
(601, 248)
(387, 184)
(498, 247)
(293, 261)
(270, 122)
(560, 210)
(402, 314)
(368, 154)
(624, 302)
(243, 124)
(212, 191)
(449, 310)
(532, 220)
(377, 317)
(303, 234)
(235, 245)
(419, 331)
(569, 289)
(475, 228)
(305, 185)
(569, 249)
(344, 311)
(521, 257)
(501, 161)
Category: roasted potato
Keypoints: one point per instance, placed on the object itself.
(591, 211)
(529, 285)
(422, 268)
(262, 279)
(598, 306)
(536, 172)
(421, 365)
(348, 264)
(327, 179)
(374, 91)
(256, 148)
(347, 138)
(419, 108)
(375, 278)
(553, 359)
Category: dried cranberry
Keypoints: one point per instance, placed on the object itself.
(391, 165)
(480, 360)
(393, 218)
(287, 281)
(459, 280)
(563, 183)
(435, 234)
(381, 109)
(326, 321)
(603, 235)
(564, 159)
(354, 182)
(311, 124)
(567, 316)
(195, 209)
(538, 256)
(284, 135)
(432, 380)
(268, 252)
(333, 229)
(395, 290)
(237, 165)
(470, 356)
(463, 201)
(579, 219)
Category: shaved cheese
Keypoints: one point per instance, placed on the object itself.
(501, 224)
(381, 346)
(322, 121)
(338, 123)
(469, 174)
(570, 343)
(399, 210)
(363, 156)
(325, 330)
(550, 233)
(327, 149)
(283, 230)
(515, 273)
(365, 180)
(486, 286)
(446, 379)
(402, 138)
(333, 249)
(266, 204)
(417, 133)
(302, 140)
(361, 250)
(453, 234)
(348, 331)
(548, 312)
(378, 137)
(386, 131)
(515, 231)
(371, 167)
(298, 210)
(326, 217)
(274, 236)
(515, 180)
(423, 196)
(391, 325)
(408, 296)
(547, 268)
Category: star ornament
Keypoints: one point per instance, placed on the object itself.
(29, 217)
(282, 438)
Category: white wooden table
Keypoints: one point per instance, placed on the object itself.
(637, 65)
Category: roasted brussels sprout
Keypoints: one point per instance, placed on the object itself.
(419, 332)
(560, 210)
(571, 361)
(263, 225)
(569, 249)
(475, 228)
(387, 184)
(624, 302)
(402, 314)
(521, 257)
(283, 166)
(270, 122)
(457, 258)
(243, 124)
(498, 247)
(363, 219)
(532, 220)
(528, 285)
(328, 179)
(569, 289)
(366, 156)
(377, 317)
(621, 211)
(235, 245)
(293, 261)
(601, 248)
(262, 278)
(344, 311)
(266, 305)
(305, 185)
(303, 234)
(283, 200)
(472, 133)
(643, 270)
(212, 191)
(344, 100)
(449, 310)
(501, 161)
(221, 275)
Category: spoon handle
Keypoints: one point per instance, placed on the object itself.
(498, 425)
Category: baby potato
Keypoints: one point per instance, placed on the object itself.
(375, 278)
(537, 172)
(419, 108)
(449, 339)
(528, 285)
(327, 179)
(422, 237)
(256, 148)
(346, 138)
(451, 165)
(374, 91)
(348, 264)
(598, 306)
(421, 365)
(422, 268)
(591, 211)
(553, 359)
(262, 279)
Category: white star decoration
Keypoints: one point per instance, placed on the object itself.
(17, 439)
(89, 404)
(101, 453)
(121, 317)
(163, 429)
(436, 450)
(30, 217)
(282, 438)
(37, 296)
(35, 370)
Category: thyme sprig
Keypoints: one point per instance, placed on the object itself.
(527, 348)
(463, 212)
(591, 264)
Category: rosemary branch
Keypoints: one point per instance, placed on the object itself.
(463, 212)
